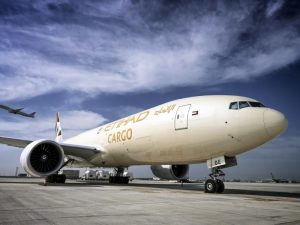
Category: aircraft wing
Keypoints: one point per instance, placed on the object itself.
(14, 142)
(81, 151)
(18, 110)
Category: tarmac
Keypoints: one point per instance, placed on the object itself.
(27, 201)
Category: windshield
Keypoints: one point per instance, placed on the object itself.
(256, 104)
(244, 104)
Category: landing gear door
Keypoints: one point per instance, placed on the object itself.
(181, 119)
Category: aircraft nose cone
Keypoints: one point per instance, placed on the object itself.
(275, 122)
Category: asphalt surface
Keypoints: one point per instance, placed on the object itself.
(28, 201)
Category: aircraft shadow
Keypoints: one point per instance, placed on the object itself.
(262, 193)
(197, 187)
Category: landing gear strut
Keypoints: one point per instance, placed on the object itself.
(118, 178)
(215, 185)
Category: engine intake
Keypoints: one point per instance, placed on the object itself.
(171, 172)
(42, 158)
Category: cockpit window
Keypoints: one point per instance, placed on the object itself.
(233, 105)
(256, 104)
(243, 104)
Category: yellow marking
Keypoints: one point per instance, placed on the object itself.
(120, 136)
(124, 122)
(165, 109)
(110, 126)
(142, 116)
(99, 130)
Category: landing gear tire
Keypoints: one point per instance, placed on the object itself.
(210, 186)
(220, 186)
(118, 180)
(215, 185)
(56, 178)
(61, 178)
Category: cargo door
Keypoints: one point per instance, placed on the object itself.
(181, 119)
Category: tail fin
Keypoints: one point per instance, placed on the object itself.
(272, 176)
(58, 131)
(32, 114)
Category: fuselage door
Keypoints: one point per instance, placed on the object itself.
(181, 119)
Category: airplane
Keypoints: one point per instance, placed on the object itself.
(17, 111)
(212, 129)
(276, 180)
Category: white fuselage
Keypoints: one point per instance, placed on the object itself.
(190, 130)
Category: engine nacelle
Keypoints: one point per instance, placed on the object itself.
(171, 172)
(42, 158)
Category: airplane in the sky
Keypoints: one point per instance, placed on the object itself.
(17, 111)
(169, 137)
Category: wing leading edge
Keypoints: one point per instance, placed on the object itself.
(81, 151)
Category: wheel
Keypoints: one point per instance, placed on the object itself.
(118, 180)
(210, 186)
(113, 180)
(61, 178)
(220, 186)
(51, 178)
(64, 179)
(125, 180)
(56, 178)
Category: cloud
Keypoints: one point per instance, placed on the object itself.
(72, 122)
(124, 111)
(138, 46)
(273, 7)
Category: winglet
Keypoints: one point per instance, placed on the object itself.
(58, 130)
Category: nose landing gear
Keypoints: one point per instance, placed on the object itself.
(215, 185)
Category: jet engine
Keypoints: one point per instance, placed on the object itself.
(42, 158)
(171, 172)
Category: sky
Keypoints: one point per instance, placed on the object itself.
(97, 61)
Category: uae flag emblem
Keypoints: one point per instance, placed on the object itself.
(194, 113)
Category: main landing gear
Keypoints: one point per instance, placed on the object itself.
(56, 178)
(215, 185)
(119, 177)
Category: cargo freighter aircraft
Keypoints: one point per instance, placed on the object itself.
(168, 137)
